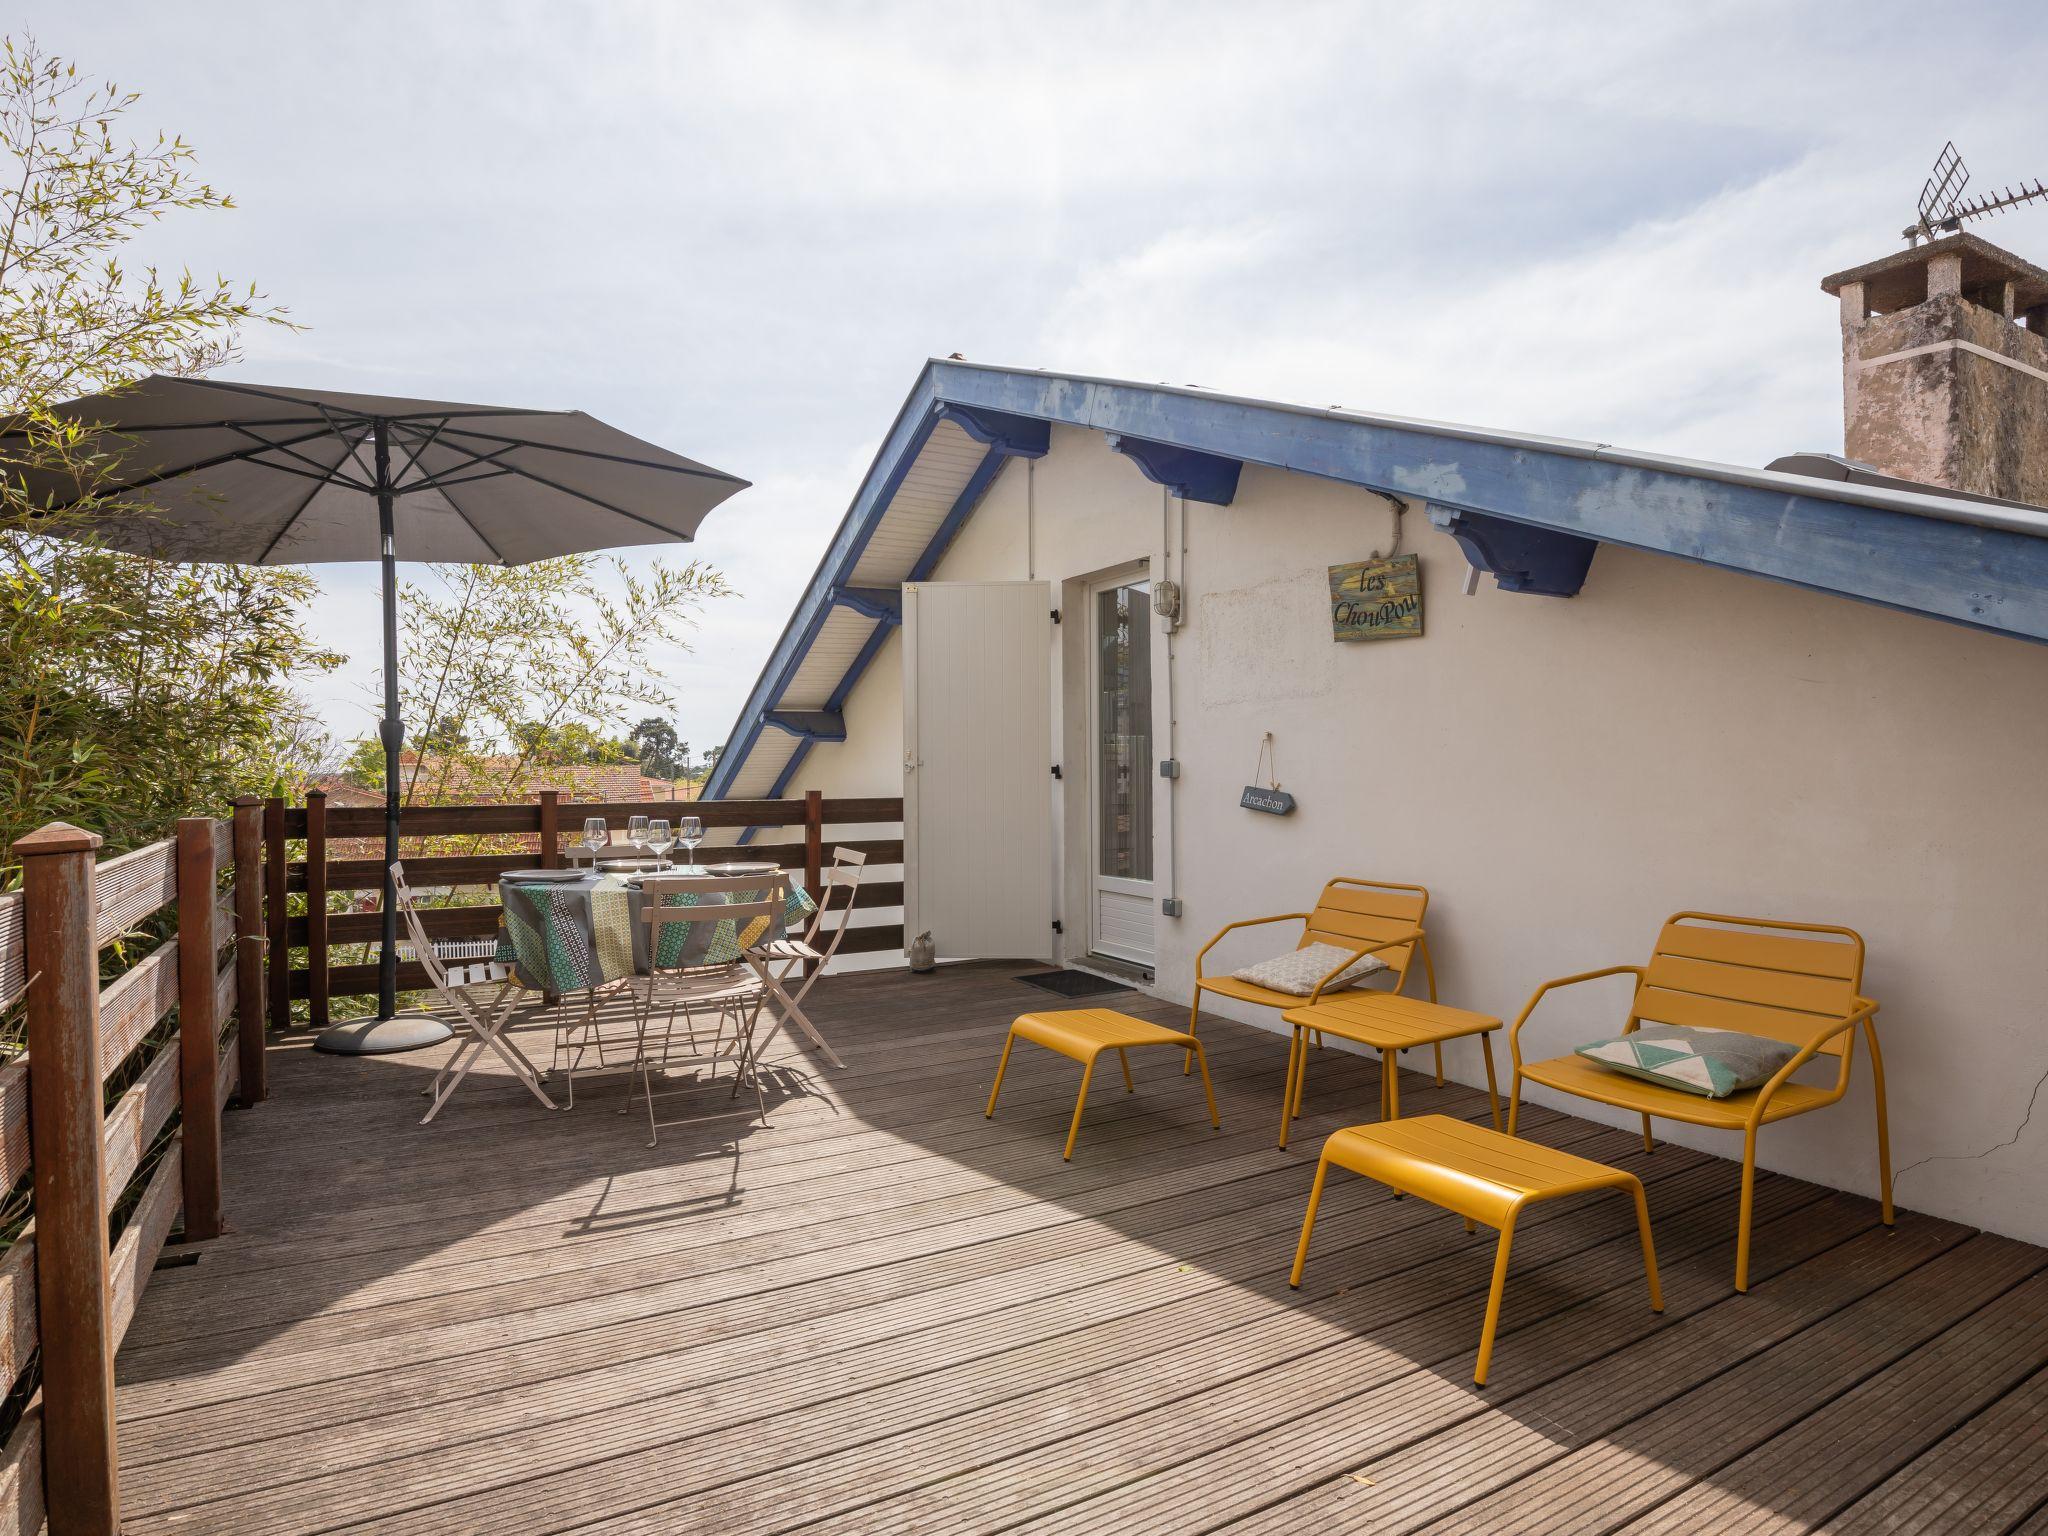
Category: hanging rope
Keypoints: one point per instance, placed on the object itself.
(1269, 757)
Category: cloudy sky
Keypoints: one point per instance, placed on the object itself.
(738, 230)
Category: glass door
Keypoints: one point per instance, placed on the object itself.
(1121, 771)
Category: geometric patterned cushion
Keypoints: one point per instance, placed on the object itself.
(1710, 1062)
(1297, 973)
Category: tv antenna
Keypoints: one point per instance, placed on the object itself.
(1943, 208)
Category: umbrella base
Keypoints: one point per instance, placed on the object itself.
(382, 1037)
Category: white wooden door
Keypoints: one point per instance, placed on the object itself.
(1120, 769)
(977, 768)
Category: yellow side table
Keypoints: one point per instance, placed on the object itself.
(1085, 1033)
(1388, 1024)
(1485, 1176)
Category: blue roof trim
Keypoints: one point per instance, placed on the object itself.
(857, 666)
(905, 440)
(963, 507)
(1981, 565)
(1925, 554)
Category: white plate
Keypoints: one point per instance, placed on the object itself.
(745, 869)
(538, 876)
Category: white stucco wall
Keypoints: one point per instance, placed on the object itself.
(1562, 774)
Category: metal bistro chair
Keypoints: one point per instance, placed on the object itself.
(778, 960)
(731, 991)
(454, 968)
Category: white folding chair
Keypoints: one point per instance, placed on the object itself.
(731, 992)
(778, 960)
(454, 968)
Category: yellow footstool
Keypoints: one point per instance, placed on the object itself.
(1084, 1034)
(1482, 1175)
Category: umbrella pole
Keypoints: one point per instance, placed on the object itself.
(388, 1032)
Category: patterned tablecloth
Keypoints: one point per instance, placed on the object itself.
(570, 935)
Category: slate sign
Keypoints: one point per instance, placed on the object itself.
(1376, 599)
(1275, 802)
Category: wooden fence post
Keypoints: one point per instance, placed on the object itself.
(551, 829)
(198, 1029)
(317, 979)
(74, 1312)
(278, 952)
(814, 852)
(814, 841)
(249, 947)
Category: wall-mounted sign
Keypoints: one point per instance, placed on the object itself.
(1376, 599)
(1274, 802)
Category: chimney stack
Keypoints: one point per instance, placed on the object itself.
(1945, 367)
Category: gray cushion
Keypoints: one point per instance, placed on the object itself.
(1710, 1062)
(1297, 973)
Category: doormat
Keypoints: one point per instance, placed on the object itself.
(1072, 983)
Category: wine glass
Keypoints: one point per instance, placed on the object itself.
(660, 839)
(636, 832)
(690, 832)
(596, 835)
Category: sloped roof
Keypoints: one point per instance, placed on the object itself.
(1530, 509)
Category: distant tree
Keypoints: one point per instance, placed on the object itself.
(363, 766)
(654, 741)
(530, 665)
(574, 741)
(711, 757)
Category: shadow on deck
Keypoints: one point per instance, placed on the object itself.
(883, 1312)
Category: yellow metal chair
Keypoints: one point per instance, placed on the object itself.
(1483, 1176)
(1363, 916)
(1799, 983)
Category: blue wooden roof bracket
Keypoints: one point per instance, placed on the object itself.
(1187, 472)
(809, 724)
(1520, 556)
(882, 604)
(1018, 437)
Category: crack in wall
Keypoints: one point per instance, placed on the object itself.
(1970, 1157)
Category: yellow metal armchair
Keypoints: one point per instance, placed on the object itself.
(1359, 916)
(1798, 983)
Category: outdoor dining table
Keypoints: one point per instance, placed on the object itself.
(574, 931)
(577, 931)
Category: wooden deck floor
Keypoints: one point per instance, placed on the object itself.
(887, 1314)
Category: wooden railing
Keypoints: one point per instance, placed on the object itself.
(63, 1290)
(801, 837)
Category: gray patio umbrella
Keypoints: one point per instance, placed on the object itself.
(210, 470)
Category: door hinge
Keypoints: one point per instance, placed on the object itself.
(1055, 615)
(1058, 926)
(1056, 771)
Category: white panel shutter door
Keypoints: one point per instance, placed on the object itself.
(977, 767)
